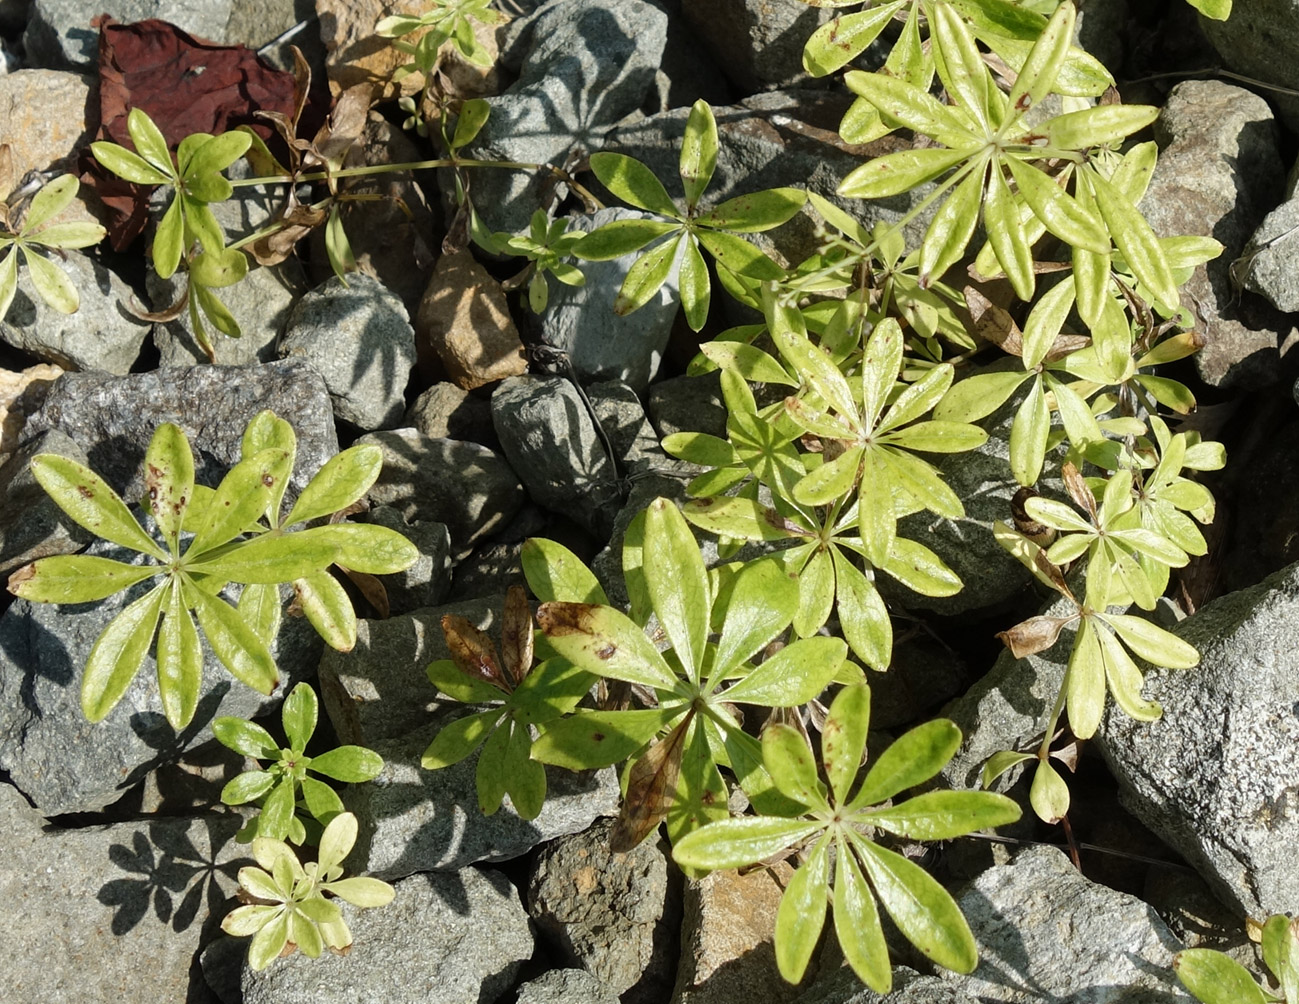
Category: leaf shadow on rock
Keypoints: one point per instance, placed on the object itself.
(170, 873)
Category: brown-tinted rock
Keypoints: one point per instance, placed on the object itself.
(355, 54)
(464, 320)
(43, 117)
(726, 938)
(20, 394)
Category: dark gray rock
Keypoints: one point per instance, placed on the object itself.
(426, 582)
(601, 344)
(62, 762)
(551, 443)
(1217, 776)
(446, 411)
(464, 485)
(358, 336)
(688, 404)
(101, 335)
(584, 66)
(566, 986)
(1268, 264)
(98, 913)
(1220, 173)
(757, 43)
(624, 421)
(909, 987)
(113, 418)
(1258, 41)
(59, 34)
(611, 913)
(31, 525)
(444, 939)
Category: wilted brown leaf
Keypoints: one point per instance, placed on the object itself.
(473, 652)
(650, 788)
(516, 634)
(1034, 635)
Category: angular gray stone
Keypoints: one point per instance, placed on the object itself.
(566, 986)
(59, 35)
(113, 418)
(600, 344)
(359, 338)
(444, 939)
(757, 43)
(95, 915)
(1047, 933)
(426, 582)
(100, 335)
(1269, 259)
(1259, 41)
(909, 987)
(445, 411)
(62, 762)
(413, 819)
(688, 404)
(584, 66)
(464, 485)
(551, 443)
(1217, 777)
(1220, 173)
(623, 419)
(612, 913)
(31, 525)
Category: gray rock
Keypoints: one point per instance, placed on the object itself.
(123, 907)
(602, 345)
(623, 419)
(261, 302)
(113, 418)
(426, 582)
(585, 65)
(1216, 777)
(359, 338)
(444, 939)
(1196, 916)
(1268, 261)
(31, 525)
(464, 485)
(549, 438)
(418, 820)
(688, 404)
(1258, 41)
(758, 43)
(1047, 933)
(909, 987)
(566, 986)
(254, 23)
(611, 913)
(1219, 173)
(62, 762)
(59, 35)
(101, 335)
(445, 411)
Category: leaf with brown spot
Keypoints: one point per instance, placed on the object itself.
(473, 652)
(651, 784)
(516, 634)
(1076, 486)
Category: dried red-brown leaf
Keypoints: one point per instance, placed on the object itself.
(992, 323)
(186, 85)
(1034, 635)
(650, 788)
(1076, 486)
(273, 248)
(516, 634)
(473, 651)
(374, 591)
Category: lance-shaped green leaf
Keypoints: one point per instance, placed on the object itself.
(270, 558)
(922, 909)
(238, 647)
(556, 573)
(942, 815)
(646, 276)
(117, 654)
(591, 739)
(916, 757)
(76, 578)
(760, 605)
(604, 641)
(1281, 953)
(843, 738)
(677, 582)
(755, 212)
(857, 923)
(633, 182)
(915, 108)
(835, 44)
(458, 739)
(801, 914)
(1135, 239)
(1044, 61)
(1216, 978)
(698, 152)
(91, 503)
(794, 675)
(895, 173)
(180, 660)
(328, 608)
(342, 480)
(1058, 211)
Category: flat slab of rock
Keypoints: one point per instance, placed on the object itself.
(444, 939)
(1217, 777)
(94, 915)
